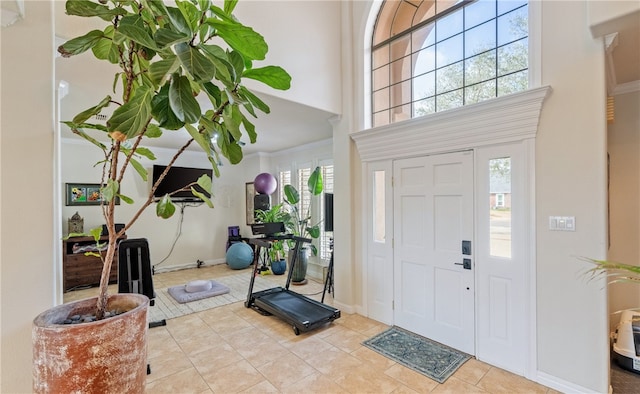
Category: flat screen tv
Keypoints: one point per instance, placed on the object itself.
(176, 178)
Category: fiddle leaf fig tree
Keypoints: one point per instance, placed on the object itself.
(180, 66)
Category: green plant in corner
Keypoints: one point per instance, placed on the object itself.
(171, 59)
(614, 271)
(300, 223)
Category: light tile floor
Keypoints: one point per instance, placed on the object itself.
(232, 349)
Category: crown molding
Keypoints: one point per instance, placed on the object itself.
(504, 119)
(624, 88)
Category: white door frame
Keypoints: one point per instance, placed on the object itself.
(508, 119)
(523, 155)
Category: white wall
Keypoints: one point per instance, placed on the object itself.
(624, 199)
(204, 230)
(571, 181)
(26, 183)
(604, 17)
(302, 37)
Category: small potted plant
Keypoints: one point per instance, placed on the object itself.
(167, 54)
(300, 222)
(276, 255)
(275, 214)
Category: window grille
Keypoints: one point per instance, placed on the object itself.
(433, 55)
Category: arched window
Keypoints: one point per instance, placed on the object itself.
(434, 55)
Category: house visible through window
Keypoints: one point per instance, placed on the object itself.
(434, 55)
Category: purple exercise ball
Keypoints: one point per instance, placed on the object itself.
(265, 183)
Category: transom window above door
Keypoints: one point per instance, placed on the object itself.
(430, 56)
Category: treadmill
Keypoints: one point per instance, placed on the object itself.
(303, 313)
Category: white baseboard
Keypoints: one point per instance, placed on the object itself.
(562, 385)
(169, 268)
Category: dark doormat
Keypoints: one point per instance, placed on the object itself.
(421, 354)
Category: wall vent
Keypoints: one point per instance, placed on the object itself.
(101, 117)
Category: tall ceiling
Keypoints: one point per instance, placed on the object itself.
(288, 125)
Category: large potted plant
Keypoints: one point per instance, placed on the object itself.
(171, 58)
(300, 222)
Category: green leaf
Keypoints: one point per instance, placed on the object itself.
(229, 5)
(314, 231)
(232, 120)
(132, 117)
(237, 62)
(205, 183)
(253, 99)
(153, 131)
(178, 21)
(181, 100)
(191, 14)
(314, 249)
(251, 130)
(224, 70)
(273, 76)
(203, 197)
(233, 152)
(199, 138)
(166, 37)
(165, 208)
(222, 14)
(315, 182)
(139, 169)
(110, 190)
(291, 194)
(96, 233)
(213, 92)
(81, 44)
(241, 38)
(88, 8)
(71, 235)
(126, 199)
(74, 128)
(198, 65)
(88, 113)
(162, 113)
(132, 27)
(107, 48)
(145, 152)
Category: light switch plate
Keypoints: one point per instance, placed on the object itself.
(562, 223)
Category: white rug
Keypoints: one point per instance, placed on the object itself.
(168, 308)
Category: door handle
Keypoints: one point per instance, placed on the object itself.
(466, 264)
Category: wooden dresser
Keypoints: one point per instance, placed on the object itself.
(78, 270)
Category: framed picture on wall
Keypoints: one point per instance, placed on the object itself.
(84, 194)
(250, 192)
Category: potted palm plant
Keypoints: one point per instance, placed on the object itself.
(171, 59)
(300, 223)
(625, 337)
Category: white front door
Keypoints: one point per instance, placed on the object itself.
(433, 215)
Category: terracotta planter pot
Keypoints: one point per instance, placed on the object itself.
(106, 356)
